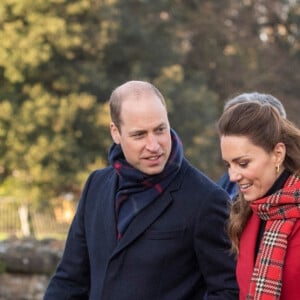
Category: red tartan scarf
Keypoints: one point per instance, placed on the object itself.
(280, 210)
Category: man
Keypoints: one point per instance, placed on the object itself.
(263, 99)
(149, 226)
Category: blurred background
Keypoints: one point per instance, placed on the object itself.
(60, 60)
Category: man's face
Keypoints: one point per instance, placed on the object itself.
(144, 135)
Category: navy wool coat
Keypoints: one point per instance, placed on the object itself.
(174, 249)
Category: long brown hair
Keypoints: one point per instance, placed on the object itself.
(264, 127)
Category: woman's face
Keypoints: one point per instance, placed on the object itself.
(250, 166)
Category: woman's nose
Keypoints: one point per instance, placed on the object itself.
(234, 175)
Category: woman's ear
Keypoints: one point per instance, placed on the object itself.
(115, 134)
(279, 153)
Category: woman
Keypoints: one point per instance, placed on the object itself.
(262, 152)
(224, 181)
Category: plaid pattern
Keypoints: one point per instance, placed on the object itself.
(136, 189)
(280, 210)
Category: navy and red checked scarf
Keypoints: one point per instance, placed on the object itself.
(281, 211)
(136, 189)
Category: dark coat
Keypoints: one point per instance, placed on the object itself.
(175, 249)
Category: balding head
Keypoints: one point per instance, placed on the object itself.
(130, 90)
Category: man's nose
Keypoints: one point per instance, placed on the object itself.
(152, 143)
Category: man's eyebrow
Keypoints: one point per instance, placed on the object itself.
(135, 131)
(161, 125)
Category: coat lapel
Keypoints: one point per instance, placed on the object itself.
(143, 220)
(108, 209)
(147, 216)
(245, 263)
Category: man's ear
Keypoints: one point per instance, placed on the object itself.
(115, 134)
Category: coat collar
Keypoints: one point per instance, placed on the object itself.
(144, 219)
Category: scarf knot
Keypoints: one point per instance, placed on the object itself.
(136, 189)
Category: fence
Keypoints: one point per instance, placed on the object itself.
(43, 224)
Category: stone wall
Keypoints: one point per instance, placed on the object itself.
(26, 266)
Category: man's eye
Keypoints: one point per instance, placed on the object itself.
(161, 129)
(138, 135)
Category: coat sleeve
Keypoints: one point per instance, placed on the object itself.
(212, 247)
(71, 278)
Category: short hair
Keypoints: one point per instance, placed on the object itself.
(261, 98)
(130, 88)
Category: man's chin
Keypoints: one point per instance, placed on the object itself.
(153, 170)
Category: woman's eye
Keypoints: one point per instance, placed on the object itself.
(243, 164)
